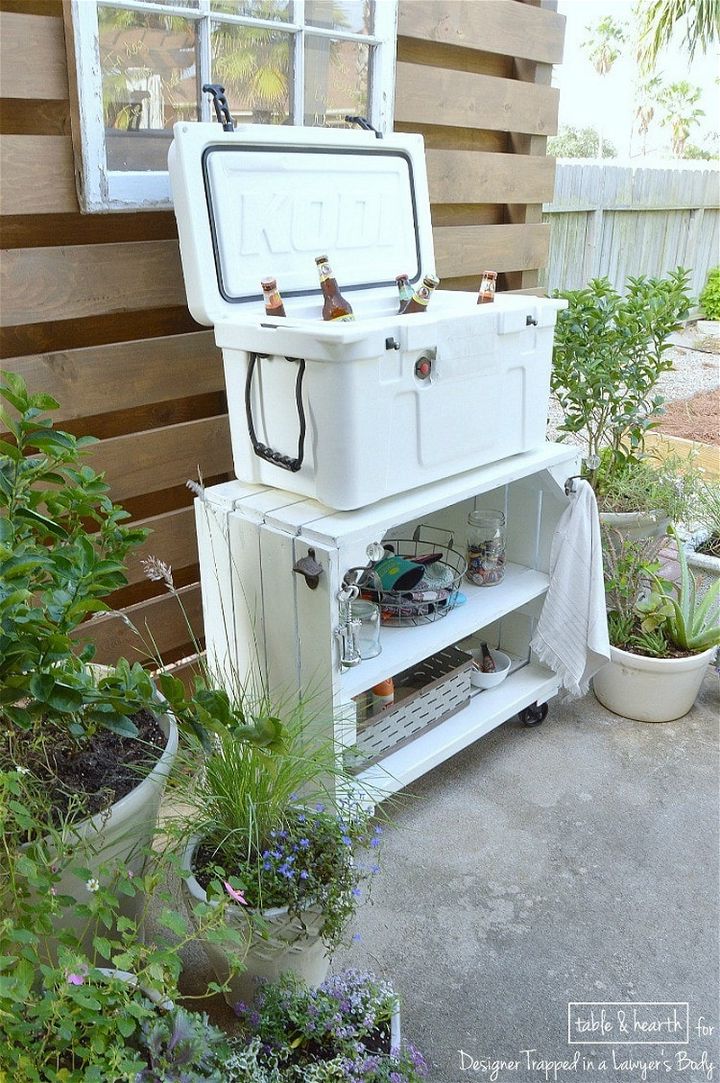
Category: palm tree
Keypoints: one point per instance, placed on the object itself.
(678, 101)
(646, 98)
(659, 19)
(603, 49)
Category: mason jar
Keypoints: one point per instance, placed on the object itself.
(485, 548)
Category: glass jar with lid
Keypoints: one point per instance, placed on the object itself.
(485, 547)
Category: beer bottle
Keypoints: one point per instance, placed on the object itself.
(487, 288)
(487, 665)
(273, 301)
(404, 290)
(335, 307)
(421, 297)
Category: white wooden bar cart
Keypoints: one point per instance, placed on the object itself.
(263, 617)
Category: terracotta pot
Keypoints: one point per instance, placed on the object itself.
(651, 689)
(286, 946)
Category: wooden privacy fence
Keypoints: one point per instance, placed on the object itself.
(616, 221)
(92, 307)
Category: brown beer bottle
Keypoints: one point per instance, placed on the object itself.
(486, 293)
(404, 290)
(335, 307)
(488, 664)
(273, 301)
(421, 297)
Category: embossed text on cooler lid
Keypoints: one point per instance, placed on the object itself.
(272, 208)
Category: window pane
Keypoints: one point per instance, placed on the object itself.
(175, 3)
(259, 9)
(254, 67)
(149, 83)
(351, 15)
(336, 81)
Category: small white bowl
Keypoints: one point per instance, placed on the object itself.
(489, 680)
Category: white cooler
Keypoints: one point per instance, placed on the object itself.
(347, 412)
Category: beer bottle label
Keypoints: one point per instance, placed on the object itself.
(325, 271)
(422, 295)
(272, 300)
(344, 316)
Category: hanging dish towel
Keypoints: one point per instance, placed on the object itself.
(571, 637)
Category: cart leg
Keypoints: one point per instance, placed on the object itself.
(534, 715)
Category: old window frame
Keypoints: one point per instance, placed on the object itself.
(103, 190)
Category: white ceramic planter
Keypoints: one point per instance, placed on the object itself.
(708, 327)
(287, 946)
(636, 524)
(120, 834)
(650, 689)
(705, 568)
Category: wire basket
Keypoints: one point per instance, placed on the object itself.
(434, 596)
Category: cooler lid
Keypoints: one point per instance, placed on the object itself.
(264, 201)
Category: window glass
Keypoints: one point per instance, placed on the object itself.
(336, 81)
(149, 82)
(253, 64)
(354, 16)
(258, 9)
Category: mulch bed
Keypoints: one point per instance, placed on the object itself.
(697, 418)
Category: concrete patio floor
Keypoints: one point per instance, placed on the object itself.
(577, 861)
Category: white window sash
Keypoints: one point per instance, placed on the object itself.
(104, 190)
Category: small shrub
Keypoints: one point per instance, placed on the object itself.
(710, 296)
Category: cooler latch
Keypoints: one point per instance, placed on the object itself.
(364, 123)
(220, 104)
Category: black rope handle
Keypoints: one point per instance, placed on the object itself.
(285, 462)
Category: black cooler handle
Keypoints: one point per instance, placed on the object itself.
(285, 462)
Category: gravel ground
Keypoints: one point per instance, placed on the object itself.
(693, 371)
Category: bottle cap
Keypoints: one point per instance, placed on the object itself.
(321, 259)
(402, 278)
(268, 283)
(432, 281)
(384, 688)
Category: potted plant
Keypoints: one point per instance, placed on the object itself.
(279, 832)
(66, 1017)
(662, 636)
(610, 351)
(348, 1027)
(99, 741)
(703, 546)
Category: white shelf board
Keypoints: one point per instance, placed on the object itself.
(533, 683)
(403, 647)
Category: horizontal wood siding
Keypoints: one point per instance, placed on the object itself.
(474, 79)
(93, 311)
(93, 307)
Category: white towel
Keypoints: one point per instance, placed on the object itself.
(571, 637)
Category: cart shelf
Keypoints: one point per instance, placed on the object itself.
(485, 711)
(403, 647)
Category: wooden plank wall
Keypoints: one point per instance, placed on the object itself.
(617, 221)
(473, 78)
(93, 307)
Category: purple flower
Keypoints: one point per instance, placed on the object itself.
(374, 842)
(79, 977)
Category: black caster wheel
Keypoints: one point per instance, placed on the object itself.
(534, 715)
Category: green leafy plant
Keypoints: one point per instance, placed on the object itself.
(62, 549)
(63, 1015)
(691, 625)
(610, 350)
(650, 483)
(649, 614)
(710, 296)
